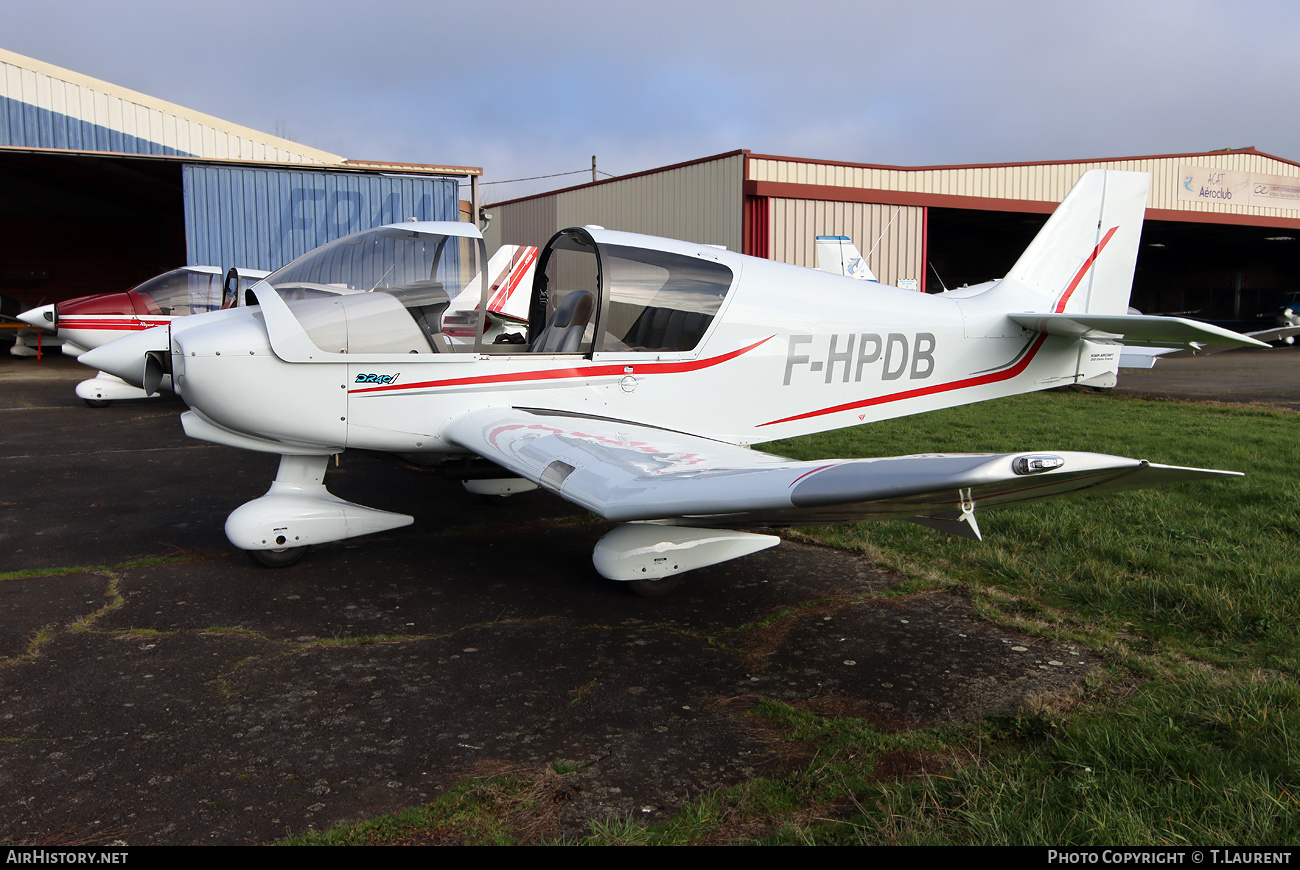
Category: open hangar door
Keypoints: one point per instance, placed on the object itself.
(74, 225)
(1236, 275)
(1221, 272)
(967, 246)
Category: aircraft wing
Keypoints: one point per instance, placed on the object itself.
(1279, 333)
(629, 472)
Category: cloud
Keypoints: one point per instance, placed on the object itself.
(529, 89)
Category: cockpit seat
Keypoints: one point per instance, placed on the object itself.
(563, 332)
(429, 318)
(667, 329)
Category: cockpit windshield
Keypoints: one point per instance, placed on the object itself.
(179, 292)
(386, 290)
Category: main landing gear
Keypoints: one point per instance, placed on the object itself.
(648, 558)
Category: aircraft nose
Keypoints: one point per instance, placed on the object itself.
(41, 317)
(126, 357)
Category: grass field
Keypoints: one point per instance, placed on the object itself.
(1188, 735)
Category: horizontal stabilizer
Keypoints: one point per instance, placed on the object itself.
(1141, 329)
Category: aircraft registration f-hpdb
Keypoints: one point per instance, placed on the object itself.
(645, 371)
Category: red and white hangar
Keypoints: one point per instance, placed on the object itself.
(1220, 241)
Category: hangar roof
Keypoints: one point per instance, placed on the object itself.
(45, 108)
(1236, 185)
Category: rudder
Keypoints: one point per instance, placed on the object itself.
(1083, 259)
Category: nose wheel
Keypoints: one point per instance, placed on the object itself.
(281, 558)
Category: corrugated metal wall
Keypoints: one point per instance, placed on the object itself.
(263, 218)
(899, 246)
(44, 106)
(698, 202)
(526, 222)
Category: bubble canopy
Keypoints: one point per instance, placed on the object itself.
(387, 290)
(421, 289)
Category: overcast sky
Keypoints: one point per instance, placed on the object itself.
(532, 88)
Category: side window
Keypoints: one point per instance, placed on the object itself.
(660, 301)
(602, 297)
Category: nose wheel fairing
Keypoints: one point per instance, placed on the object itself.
(298, 511)
(105, 388)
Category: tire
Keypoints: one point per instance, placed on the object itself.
(97, 403)
(277, 558)
(653, 588)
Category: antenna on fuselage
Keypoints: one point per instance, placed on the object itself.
(937, 275)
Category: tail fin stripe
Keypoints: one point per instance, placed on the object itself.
(1083, 270)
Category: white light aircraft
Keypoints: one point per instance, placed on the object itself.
(647, 369)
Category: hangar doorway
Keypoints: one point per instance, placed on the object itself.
(1226, 273)
(73, 225)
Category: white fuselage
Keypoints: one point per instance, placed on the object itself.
(791, 351)
(639, 365)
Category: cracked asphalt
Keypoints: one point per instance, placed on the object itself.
(158, 688)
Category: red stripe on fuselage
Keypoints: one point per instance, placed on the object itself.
(991, 378)
(570, 373)
(114, 323)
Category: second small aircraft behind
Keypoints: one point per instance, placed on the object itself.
(87, 322)
(644, 373)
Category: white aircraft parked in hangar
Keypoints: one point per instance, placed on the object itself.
(646, 370)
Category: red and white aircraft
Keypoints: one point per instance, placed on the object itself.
(90, 321)
(646, 370)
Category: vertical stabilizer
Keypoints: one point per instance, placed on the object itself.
(839, 256)
(1082, 260)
